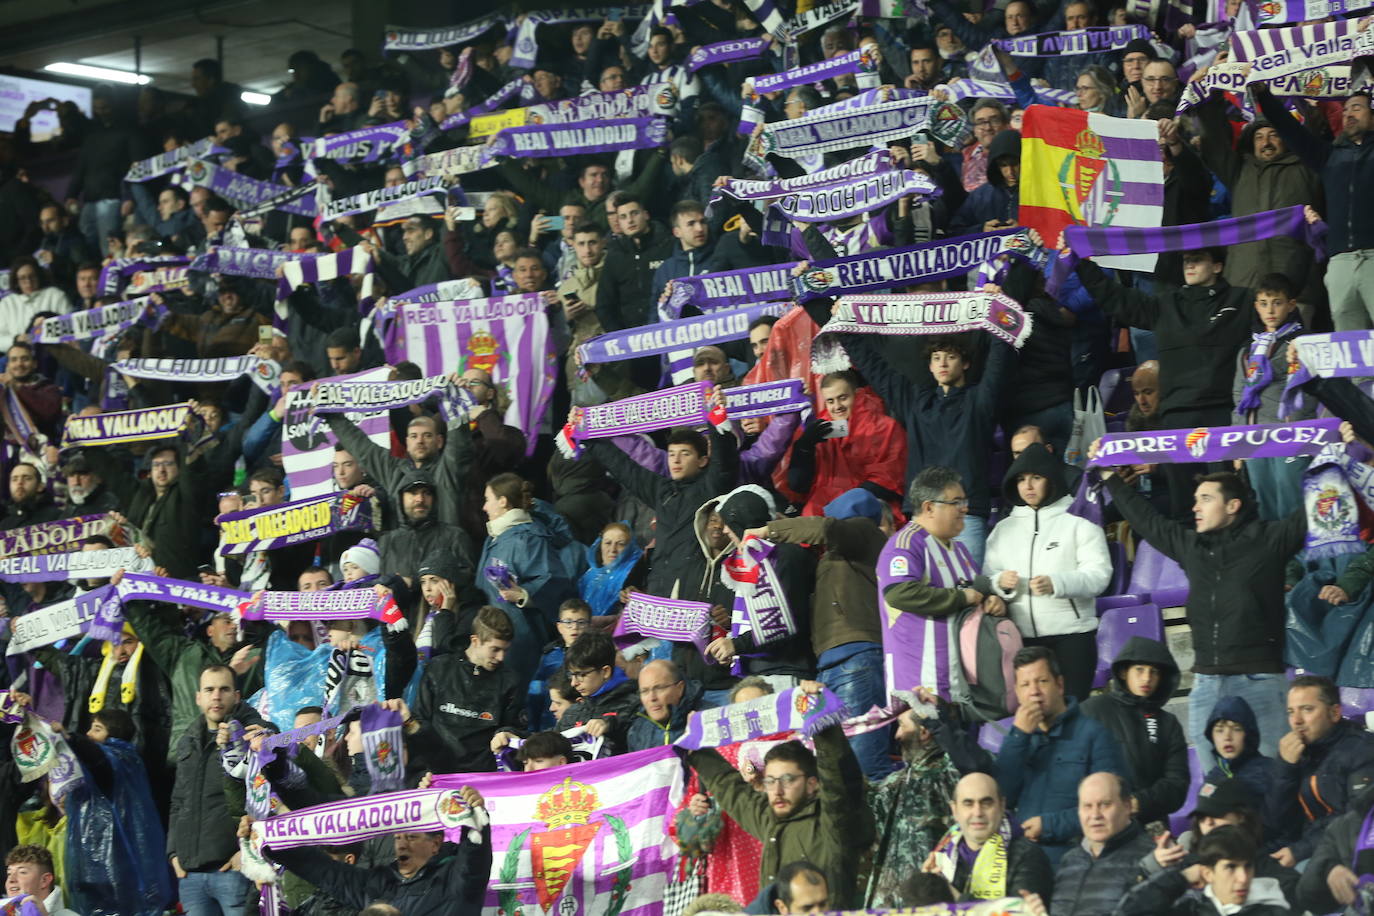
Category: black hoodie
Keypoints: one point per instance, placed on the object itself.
(1151, 739)
(406, 547)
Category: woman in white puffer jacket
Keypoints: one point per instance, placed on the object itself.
(1049, 565)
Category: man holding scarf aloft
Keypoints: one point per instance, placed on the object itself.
(984, 856)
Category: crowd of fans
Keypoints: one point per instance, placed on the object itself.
(951, 445)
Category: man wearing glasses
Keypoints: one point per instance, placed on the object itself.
(807, 810)
(668, 699)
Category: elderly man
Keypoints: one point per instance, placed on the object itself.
(344, 111)
(1096, 874)
(982, 856)
(667, 699)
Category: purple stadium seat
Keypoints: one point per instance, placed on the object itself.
(1118, 625)
(1178, 821)
(1356, 701)
(1157, 575)
(990, 734)
(1121, 568)
(1116, 390)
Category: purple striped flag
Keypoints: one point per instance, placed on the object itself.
(583, 838)
(307, 444)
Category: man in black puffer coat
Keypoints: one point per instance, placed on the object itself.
(1144, 677)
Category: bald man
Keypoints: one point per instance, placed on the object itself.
(666, 700)
(1094, 875)
(1145, 388)
(982, 856)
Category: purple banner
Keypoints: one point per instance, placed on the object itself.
(166, 163)
(823, 131)
(896, 267)
(141, 587)
(1218, 443)
(765, 399)
(866, 166)
(127, 426)
(732, 288)
(579, 138)
(354, 819)
(380, 197)
(367, 144)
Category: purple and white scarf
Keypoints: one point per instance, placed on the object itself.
(114, 276)
(1320, 83)
(731, 288)
(842, 201)
(1218, 443)
(647, 617)
(791, 710)
(374, 397)
(761, 609)
(127, 426)
(895, 267)
(74, 564)
(400, 38)
(1340, 354)
(265, 373)
(366, 144)
(644, 101)
(874, 163)
(1002, 91)
(1338, 49)
(764, 399)
(682, 334)
(823, 131)
(1092, 40)
(290, 199)
(321, 268)
(450, 162)
(348, 604)
(916, 315)
(174, 161)
(724, 52)
(295, 522)
(526, 46)
(259, 263)
(1259, 372)
(244, 191)
(444, 291)
(101, 321)
(682, 405)
(331, 208)
(578, 138)
(58, 536)
(54, 622)
(493, 102)
(1329, 496)
(1254, 43)
(1277, 12)
(863, 62)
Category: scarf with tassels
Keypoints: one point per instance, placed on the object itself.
(128, 682)
(1259, 371)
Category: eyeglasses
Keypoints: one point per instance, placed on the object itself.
(574, 622)
(786, 779)
(987, 122)
(655, 689)
(956, 503)
(583, 674)
(164, 464)
(1160, 79)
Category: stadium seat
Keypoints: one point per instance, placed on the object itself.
(1115, 389)
(1158, 576)
(991, 734)
(1178, 821)
(1118, 625)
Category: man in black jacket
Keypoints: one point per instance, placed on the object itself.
(1199, 328)
(167, 506)
(29, 502)
(429, 877)
(625, 295)
(421, 533)
(1332, 877)
(464, 700)
(201, 842)
(983, 856)
(1235, 566)
(1323, 761)
(1094, 875)
(1144, 676)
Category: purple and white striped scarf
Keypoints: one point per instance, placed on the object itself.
(1161, 15)
(373, 397)
(244, 191)
(127, 426)
(265, 373)
(761, 608)
(1277, 12)
(684, 405)
(863, 62)
(174, 161)
(1253, 43)
(1002, 91)
(644, 101)
(366, 144)
(1339, 49)
(57, 536)
(400, 38)
(443, 291)
(348, 604)
(895, 267)
(457, 161)
(667, 336)
(724, 52)
(791, 710)
(320, 268)
(823, 131)
(874, 163)
(1092, 40)
(526, 46)
(101, 321)
(648, 617)
(1319, 83)
(861, 195)
(295, 522)
(1218, 443)
(333, 208)
(578, 138)
(731, 288)
(259, 263)
(114, 276)
(1258, 369)
(293, 200)
(53, 622)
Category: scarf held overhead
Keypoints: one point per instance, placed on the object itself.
(295, 522)
(1217, 443)
(127, 426)
(685, 405)
(662, 618)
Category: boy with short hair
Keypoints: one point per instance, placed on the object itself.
(562, 694)
(544, 751)
(1225, 868)
(29, 871)
(609, 698)
(574, 617)
(1261, 374)
(465, 699)
(1235, 736)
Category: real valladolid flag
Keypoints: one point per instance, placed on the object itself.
(1087, 169)
(589, 839)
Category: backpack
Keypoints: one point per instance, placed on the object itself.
(987, 646)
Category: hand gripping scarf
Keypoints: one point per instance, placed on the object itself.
(296, 522)
(1342, 354)
(760, 608)
(353, 604)
(988, 879)
(647, 617)
(785, 711)
(1329, 488)
(1259, 372)
(823, 131)
(101, 321)
(128, 426)
(684, 405)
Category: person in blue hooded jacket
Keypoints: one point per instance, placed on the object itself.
(1235, 736)
(519, 570)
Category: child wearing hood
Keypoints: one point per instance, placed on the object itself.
(1144, 676)
(1235, 736)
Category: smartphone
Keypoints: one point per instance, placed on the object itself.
(614, 14)
(380, 95)
(838, 429)
(572, 298)
(555, 223)
(265, 333)
(205, 569)
(462, 213)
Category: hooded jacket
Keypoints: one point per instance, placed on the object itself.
(530, 550)
(1235, 580)
(1047, 541)
(460, 707)
(406, 546)
(645, 733)
(995, 199)
(1309, 794)
(1151, 740)
(1251, 767)
(200, 831)
(1168, 894)
(1336, 847)
(1199, 329)
(625, 295)
(872, 455)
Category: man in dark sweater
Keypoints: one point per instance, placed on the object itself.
(984, 856)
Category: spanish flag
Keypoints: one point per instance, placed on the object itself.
(1087, 169)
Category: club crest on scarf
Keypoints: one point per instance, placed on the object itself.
(33, 749)
(1329, 511)
(1090, 182)
(259, 793)
(1196, 441)
(486, 352)
(818, 280)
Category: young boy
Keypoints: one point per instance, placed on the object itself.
(1235, 736)
(561, 694)
(609, 698)
(1261, 373)
(1225, 868)
(1151, 740)
(574, 616)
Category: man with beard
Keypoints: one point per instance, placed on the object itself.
(40, 398)
(29, 502)
(86, 490)
(1345, 166)
(421, 533)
